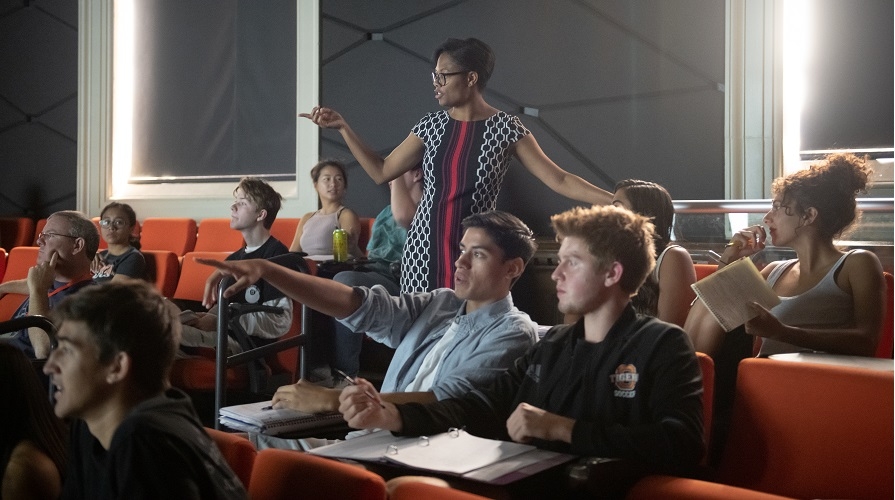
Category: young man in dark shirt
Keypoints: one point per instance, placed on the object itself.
(131, 435)
(254, 209)
(614, 384)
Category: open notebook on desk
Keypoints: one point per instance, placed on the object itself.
(455, 453)
(260, 417)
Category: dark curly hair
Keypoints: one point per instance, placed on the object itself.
(830, 187)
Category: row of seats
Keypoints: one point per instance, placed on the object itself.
(284, 474)
(799, 430)
(174, 234)
(166, 243)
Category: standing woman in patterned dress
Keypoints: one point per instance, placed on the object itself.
(465, 150)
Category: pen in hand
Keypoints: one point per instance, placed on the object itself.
(352, 382)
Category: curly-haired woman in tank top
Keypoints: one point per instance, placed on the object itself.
(832, 301)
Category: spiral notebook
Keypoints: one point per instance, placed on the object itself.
(259, 417)
(726, 293)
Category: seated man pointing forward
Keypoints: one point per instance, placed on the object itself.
(448, 341)
(615, 384)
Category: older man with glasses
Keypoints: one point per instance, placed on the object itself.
(67, 244)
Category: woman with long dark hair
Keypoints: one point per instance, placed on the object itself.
(666, 293)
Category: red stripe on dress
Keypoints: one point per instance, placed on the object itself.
(454, 180)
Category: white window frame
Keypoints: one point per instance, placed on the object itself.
(95, 187)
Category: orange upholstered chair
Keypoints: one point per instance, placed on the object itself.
(237, 451)
(2, 263)
(16, 231)
(288, 474)
(703, 270)
(162, 269)
(676, 488)
(811, 431)
(175, 234)
(283, 229)
(215, 235)
(885, 345)
(801, 430)
(415, 490)
(19, 261)
(191, 282)
(38, 227)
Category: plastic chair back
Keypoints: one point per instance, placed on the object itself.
(174, 234)
(19, 261)
(237, 451)
(15, 232)
(809, 430)
(191, 283)
(283, 229)
(215, 235)
(163, 270)
(282, 474)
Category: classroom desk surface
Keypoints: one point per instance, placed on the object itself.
(837, 359)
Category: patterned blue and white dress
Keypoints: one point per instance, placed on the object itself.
(463, 168)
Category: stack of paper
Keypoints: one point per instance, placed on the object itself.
(260, 417)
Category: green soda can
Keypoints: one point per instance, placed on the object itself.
(340, 245)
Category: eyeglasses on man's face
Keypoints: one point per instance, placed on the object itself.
(441, 78)
(45, 235)
(116, 223)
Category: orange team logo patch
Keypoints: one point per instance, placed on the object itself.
(625, 380)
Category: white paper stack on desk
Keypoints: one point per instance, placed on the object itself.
(456, 453)
(259, 417)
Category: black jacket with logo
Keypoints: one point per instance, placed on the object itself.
(636, 395)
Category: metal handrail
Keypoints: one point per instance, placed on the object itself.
(881, 205)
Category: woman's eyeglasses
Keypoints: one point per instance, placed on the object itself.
(116, 223)
(777, 206)
(441, 78)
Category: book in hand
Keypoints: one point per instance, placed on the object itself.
(727, 292)
(261, 418)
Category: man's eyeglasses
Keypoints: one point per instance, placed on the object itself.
(441, 78)
(46, 235)
(116, 223)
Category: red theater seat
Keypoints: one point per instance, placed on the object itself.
(19, 261)
(174, 234)
(215, 235)
(288, 474)
(237, 451)
(15, 232)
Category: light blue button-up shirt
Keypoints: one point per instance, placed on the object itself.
(487, 341)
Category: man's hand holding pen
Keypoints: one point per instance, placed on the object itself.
(362, 408)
